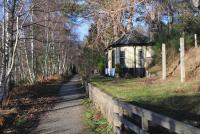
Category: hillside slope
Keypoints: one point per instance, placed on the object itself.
(192, 65)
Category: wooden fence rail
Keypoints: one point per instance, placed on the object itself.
(149, 116)
(125, 115)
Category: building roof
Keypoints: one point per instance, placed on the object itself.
(133, 39)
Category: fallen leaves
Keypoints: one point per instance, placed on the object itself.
(8, 111)
(2, 121)
(25, 107)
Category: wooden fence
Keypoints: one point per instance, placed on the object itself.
(148, 117)
(124, 115)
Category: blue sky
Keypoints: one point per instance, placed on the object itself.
(1, 13)
(82, 30)
(83, 25)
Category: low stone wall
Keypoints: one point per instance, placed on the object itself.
(105, 103)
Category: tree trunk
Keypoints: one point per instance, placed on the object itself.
(27, 63)
(32, 48)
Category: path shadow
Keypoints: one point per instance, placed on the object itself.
(69, 92)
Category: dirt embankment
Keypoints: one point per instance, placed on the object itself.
(192, 65)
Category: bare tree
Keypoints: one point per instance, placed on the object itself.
(35, 42)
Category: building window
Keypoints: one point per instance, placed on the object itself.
(122, 58)
(107, 60)
(113, 58)
(141, 58)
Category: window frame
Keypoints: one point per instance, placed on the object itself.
(122, 54)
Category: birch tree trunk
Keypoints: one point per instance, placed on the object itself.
(46, 50)
(2, 61)
(5, 49)
(12, 57)
(32, 47)
(11, 36)
(27, 63)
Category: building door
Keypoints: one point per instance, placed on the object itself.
(122, 58)
(141, 58)
(141, 63)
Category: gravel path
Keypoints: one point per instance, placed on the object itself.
(67, 115)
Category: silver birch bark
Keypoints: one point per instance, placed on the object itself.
(5, 50)
(46, 50)
(27, 62)
(32, 47)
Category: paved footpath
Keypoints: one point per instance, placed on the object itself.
(67, 115)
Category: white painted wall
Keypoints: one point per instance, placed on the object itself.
(129, 55)
(110, 58)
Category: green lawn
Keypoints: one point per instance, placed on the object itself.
(172, 98)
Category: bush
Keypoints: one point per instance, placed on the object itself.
(172, 40)
(21, 121)
(101, 68)
(91, 60)
(119, 70)
(23, 82)
(95, 120)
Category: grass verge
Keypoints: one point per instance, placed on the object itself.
(172, 98)
(94, 119)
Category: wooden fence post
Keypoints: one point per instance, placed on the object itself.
(195, 38)
(145, 124)
(164, 64)
(182, 59)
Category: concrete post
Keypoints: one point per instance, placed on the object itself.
(195, 38)
(182, 59)
(164, 63)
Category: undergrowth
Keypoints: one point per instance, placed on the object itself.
(95, 120)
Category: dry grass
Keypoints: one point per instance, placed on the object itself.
(192, 65)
